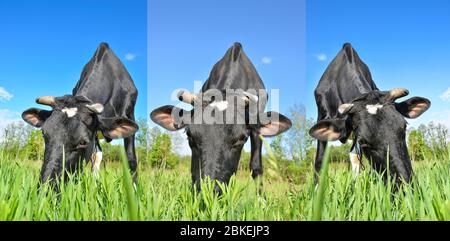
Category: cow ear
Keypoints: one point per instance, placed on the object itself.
(278, 124)
(165, 117)
(413, 107)
(118, 127)
(36, 117)
(329, 130)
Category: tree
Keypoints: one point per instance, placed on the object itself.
(35, 146)
(299, 141)
(177, 141)
(142, 137)
(417, 146)
(277, 147)
(339, 153)
(142, 134)
(161, 154)
(153, 133)
(111, 153)
(436, 137)
(15, 137)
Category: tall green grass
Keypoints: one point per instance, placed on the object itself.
(167, 195)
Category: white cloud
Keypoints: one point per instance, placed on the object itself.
(266, 60)
(321, 57)
(7, 117)
(130, 57)
(5, 95)
(446, 95)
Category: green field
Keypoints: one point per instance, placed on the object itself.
(166, 195)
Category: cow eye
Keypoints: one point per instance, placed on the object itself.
(240, 140)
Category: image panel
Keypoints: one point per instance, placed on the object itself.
(212, 65)
(378, 97)
(73, 82)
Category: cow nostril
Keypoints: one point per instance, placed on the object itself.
(82, 145)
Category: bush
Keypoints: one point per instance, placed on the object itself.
(111, 153)
(160, 154)
(35, 146)
(340, 153)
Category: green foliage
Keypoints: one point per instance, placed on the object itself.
(111, 153)
(160, 154)
(286, 169)
(164, 189)
(14, 138)
(277, 147)
(417, 146)
(244, 162)
(319, 199)
(340, 153)
(128, 188)
(167, 195)
(271, 161)
(142, 134)
(35, 146)
(428, 140)
(298, 141)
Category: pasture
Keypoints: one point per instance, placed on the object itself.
(166, 195)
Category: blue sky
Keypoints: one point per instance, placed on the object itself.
(171, 44)
(45, 44)
(186, 38)
(405, 44)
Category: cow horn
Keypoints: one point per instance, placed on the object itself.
(249, 98)
(345, 108)
(96, 108)
(187, 97)
(398, 93)
(46, 100)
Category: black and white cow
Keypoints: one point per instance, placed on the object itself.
(235, 97)
(103, 100)
(348, 101)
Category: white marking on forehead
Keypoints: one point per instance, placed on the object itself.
(373, 109)
(220, 105)
(70, 112)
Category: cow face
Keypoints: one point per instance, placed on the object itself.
(379, 126)
(70, 129)
(216, 146)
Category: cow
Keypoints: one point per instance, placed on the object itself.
(102, 104)
(351, 106)
(216, 146)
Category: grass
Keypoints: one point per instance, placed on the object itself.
(166, 195)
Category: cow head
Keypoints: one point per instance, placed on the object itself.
(217, 130)
(379, 126)
(69, 131)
